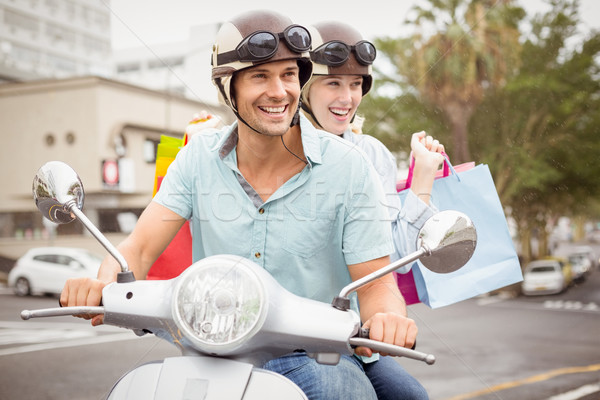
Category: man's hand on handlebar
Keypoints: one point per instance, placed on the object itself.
(83, 292)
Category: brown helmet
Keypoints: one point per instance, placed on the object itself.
(255, 38)
(339, 49)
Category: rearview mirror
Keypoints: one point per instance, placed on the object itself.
(58, 194)
(56, 188)
(451, 238)
(446, 242)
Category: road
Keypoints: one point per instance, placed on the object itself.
(513, 348)
(486, 348)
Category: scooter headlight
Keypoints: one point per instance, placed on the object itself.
(219, 303)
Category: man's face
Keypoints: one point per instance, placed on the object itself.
(267, 96)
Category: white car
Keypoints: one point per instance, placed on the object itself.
(44, 270)
(582, 266)
(587, 252)
(543, 277)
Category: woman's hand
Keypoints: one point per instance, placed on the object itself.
(427, 153)
(201, 121)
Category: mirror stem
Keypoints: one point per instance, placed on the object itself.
(72, 207)
(423, 251)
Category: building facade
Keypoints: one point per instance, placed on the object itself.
(91, 123)
(54, 39)
(179, 67)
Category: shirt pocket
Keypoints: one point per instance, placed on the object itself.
(308, 231)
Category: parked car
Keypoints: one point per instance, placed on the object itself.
(581, 266)
(594, 236)
(546, 276)
(44, 270)
(587, 252)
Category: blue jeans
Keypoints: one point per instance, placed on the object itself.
(391, 381)
(351, 379)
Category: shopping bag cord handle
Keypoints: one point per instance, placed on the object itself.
(448, 168)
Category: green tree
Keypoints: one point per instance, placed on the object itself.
(539, 133)
(474, 48)
(536, 125)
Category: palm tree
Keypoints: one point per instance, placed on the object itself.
(473, 48)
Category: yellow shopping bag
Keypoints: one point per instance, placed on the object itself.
(165, 154)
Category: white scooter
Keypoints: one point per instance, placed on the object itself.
(228, 316)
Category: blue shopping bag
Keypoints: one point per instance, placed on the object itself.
(494, 264)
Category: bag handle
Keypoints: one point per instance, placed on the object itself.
(446, 169)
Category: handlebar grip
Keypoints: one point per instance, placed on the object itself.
(364, 333)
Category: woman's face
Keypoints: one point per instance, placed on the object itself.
(334, 100)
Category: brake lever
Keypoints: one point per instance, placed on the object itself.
(60, 312)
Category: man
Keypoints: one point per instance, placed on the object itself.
(302, 203)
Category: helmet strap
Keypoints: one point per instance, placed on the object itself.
(296, 119)
(243, 121)
(221, 88)
(260, 133)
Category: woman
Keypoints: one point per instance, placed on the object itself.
(341, 77)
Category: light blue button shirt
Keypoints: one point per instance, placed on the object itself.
(326, 217)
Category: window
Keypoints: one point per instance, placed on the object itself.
(20, 22)
(58, 259)
(149, 151)
(94, 45)
(68, 261)
(544, 268)
(49, 258)
(70, 137)
(101, 20)
(25, 57)
(52, 5)
(167, 62)
(128, 67)
(59, 35)
(117, 220)
(61, 64)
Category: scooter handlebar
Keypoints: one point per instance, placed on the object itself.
(61, 311)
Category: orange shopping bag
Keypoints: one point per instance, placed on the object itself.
(178, 255)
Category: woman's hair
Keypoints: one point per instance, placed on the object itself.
(357, 124)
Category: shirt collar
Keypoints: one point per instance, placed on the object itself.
(310, 141)
(228, 141)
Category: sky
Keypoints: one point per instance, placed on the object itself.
(146, 22)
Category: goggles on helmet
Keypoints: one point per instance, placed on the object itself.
(335, 53)
(262, 45)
